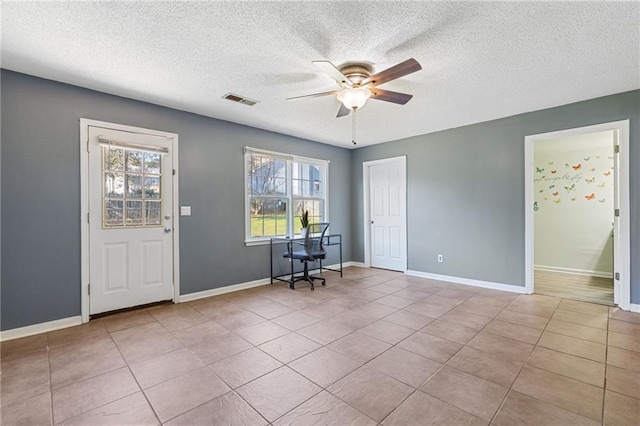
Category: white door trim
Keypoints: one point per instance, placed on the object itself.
(623, 245)
(84, 206)
(367, 207)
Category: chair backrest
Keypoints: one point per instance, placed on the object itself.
(314, 239)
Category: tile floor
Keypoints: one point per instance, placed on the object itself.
(374, 347)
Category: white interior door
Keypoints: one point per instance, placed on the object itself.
(130, 219)
(387, 213)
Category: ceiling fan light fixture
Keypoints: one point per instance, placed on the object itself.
(354, 97)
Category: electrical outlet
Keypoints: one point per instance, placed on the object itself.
(440, 258)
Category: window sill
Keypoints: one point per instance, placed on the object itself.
(250, 243)
(264, 242)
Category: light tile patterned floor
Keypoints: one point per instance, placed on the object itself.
(375, 347)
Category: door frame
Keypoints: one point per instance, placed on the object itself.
(622, 240)
(367, 208)
(84, 205)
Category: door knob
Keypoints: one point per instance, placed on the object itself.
(167, 230)
(372, 222)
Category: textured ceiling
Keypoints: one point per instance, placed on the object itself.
(481, 60)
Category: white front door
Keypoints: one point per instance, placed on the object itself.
(130, 219)
(387, 213)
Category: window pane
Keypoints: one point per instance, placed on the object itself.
(153, 213)
(113, 213)
(114, 185)
(315, 208)
(134, 213)
(308, 180)
(134, 186)
(152, 163)
(152, 187)
(268, 217)
(113, 158)
(266, 176)
(134, 160)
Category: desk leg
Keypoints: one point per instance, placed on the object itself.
(340, 257)
(271, 261)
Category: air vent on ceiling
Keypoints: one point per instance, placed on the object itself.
(240, 99)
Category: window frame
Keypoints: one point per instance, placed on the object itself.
(290, 160)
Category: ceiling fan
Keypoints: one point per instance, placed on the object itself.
(357, 84)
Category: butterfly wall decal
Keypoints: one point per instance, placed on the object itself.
(593, 169)
(597, 157)
(601, 201)
(602, 185)
(557, 201)
(539, 170)
(541, 191)
(573, 199)
(593, 179)
(535, 206)
(577, 166)
(590, 196)
(570, 188)
(551, 186)
(551, 163)
(607, 173)
(586, 158)
(567, 165)
(553, 172)
(555, 194)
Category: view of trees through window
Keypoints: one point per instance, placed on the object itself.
(279, 189)
(131, 182)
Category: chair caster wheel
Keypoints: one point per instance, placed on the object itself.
(312, 289)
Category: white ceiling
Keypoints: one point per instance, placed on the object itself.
(481, 60)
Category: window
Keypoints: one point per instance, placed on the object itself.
(131, 188)
(279, 188)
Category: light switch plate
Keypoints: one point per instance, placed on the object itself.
(185, 210)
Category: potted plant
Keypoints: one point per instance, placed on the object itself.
(304, 222)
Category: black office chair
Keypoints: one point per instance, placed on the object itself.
(312, 250)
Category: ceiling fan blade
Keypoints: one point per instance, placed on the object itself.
(389, 96)
(343, 111)
(396, 71)
(315, 95)
(333, 72)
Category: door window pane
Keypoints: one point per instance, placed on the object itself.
(134, 213)
(152, 213)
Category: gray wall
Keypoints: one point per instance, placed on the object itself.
(41, 194)
(466, 190)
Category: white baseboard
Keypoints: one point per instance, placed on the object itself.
(356, 264)
(42, 327)
(468, 281)
(243, 286)
(585, 272)
(223, 290)
(634, 308)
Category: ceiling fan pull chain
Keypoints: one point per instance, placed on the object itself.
(353, 126)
